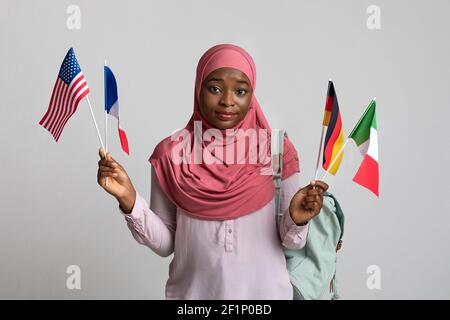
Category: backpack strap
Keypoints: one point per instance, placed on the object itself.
(340, 215)
(276, 155)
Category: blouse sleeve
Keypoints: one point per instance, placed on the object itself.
(292, 236)
(153, 226)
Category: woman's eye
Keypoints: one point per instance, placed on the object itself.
(241, 92)
(214, 89)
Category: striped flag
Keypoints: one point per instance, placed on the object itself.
(69, 89)
(366, 138)
(334, 138)
(112, 105)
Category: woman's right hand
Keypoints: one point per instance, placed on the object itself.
(119, 184)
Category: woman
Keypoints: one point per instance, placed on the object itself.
(217, 214)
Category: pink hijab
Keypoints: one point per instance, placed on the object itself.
(220, 191)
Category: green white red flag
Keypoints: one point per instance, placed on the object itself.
(366, 138)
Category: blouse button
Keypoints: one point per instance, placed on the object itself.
(230, 231)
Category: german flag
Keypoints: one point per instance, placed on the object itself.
(334, 138)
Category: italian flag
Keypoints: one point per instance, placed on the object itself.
(366, 138)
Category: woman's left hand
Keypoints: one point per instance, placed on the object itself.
(307, 202)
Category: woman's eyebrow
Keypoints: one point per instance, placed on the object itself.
(221, 80)
(215, 79)
(242, 81)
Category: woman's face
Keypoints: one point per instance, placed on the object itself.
(225, 97)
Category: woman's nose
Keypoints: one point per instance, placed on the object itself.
(228, 99)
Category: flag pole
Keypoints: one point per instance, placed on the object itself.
(318, 154)
(106, 122)
(335, 158)
(95, 122)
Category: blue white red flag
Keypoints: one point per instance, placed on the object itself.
(112, 104)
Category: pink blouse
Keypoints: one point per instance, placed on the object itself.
(232, 259)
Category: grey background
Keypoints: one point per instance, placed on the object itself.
(53, 213)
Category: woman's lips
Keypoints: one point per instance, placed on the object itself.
(226, 116)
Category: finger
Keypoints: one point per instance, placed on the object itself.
(107, 163)
(108, 174)
(304, 190)
(315, 192)
(310, 203)
(313, 198)
(107, 169)
(113, 164)
(316, 207)
(320, 184)
(307, 205)
(117, 165)
(110, 159)
(101, 153)
(313, 186)
(313, 206)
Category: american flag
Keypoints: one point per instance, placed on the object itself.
(69, 89)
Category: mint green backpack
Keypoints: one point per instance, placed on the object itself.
(312, 269)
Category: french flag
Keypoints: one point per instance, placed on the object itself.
(112, 105)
